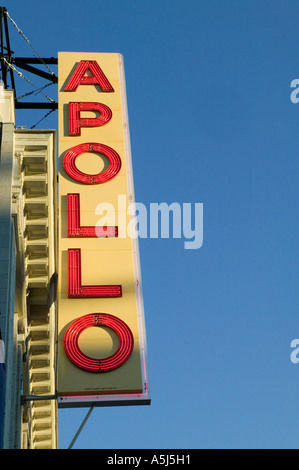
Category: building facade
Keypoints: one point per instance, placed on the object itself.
(28, 272)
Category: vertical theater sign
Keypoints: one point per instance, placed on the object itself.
(101, 332)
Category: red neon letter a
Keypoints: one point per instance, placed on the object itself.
(80, 76)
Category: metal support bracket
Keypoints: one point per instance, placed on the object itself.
(26, 398)
(81, 427)
(23, 63)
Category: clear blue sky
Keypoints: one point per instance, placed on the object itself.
(211, 121)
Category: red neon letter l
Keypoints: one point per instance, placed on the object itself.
(75, 229)
(75, 288)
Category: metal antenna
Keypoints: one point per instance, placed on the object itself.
(5, 49)
(9, 64)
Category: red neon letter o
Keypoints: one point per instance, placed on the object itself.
(71, 347)
(71, 169)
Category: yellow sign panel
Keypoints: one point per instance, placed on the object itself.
(101, 334)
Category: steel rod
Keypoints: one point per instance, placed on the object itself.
(81, 427)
